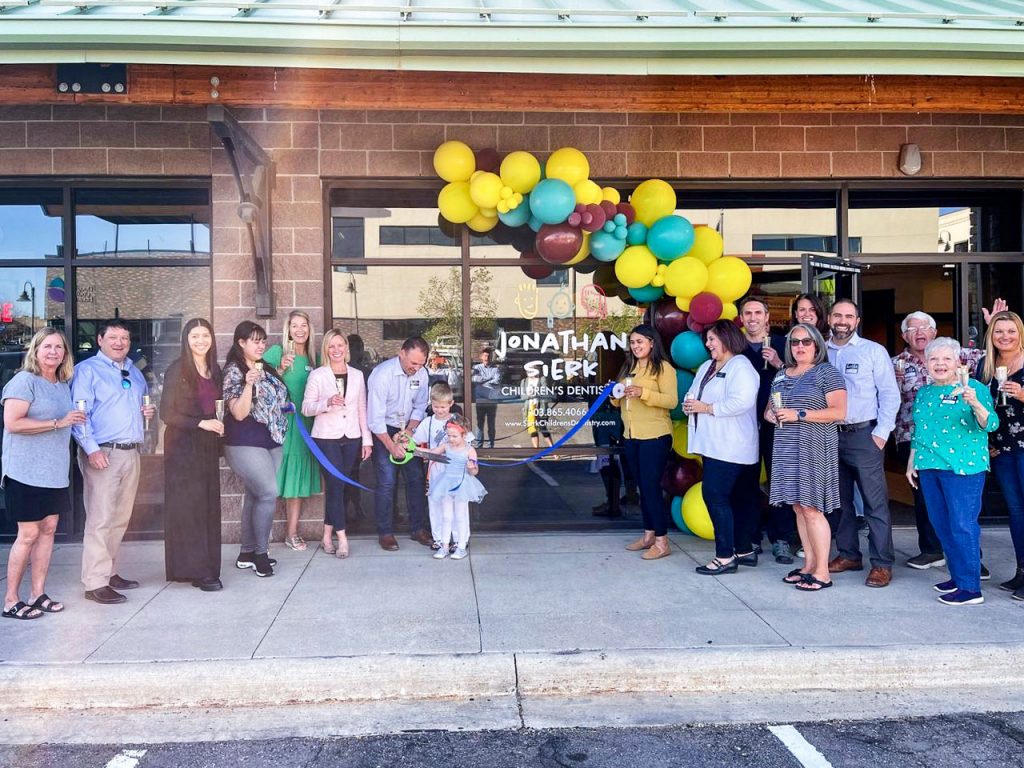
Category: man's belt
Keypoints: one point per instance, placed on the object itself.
(121, 446)
(858, 426)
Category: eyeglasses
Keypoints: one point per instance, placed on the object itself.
(806, 342)
(126, 383)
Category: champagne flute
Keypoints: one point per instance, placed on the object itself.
(777, 404)
(900, 365)
(1001, 377)
(339, 384)
(80, 406)
(258, 365)
(963, 376)
(147, 401)
(291, 351)
(218, 409)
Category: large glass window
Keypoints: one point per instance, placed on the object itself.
(30, 224)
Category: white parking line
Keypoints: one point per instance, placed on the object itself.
(543, 475)
(129, 758)
(802, 749)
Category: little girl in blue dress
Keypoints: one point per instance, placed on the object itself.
(455, 486)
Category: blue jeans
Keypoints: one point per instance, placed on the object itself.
(954, 503)
(730, 493)
(344, 454)
(1009, 471)
(384, 494)
(647, 460)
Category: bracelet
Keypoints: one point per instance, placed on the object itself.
(54, 425)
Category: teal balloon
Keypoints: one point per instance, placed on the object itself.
(535, 223)
(688, 351)
(605, 246)
(517, 216)
(684, 380)
(670, 237)
(552, 200)
(677, 515)
(646, 294)
(636, 233)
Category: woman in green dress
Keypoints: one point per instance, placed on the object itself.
(299, 475)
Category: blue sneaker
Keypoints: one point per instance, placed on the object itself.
(962, 597)
(946, 587)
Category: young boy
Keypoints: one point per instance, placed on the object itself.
(430, 434)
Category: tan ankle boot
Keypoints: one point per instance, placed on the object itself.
(659, 550)
(644, 542)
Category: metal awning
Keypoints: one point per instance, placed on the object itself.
(597, 36)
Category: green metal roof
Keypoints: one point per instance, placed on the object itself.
(575, 36)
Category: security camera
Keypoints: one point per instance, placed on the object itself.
(910, 159)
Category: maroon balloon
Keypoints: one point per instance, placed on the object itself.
(558, 243)
(609, 209)
(705, 308)
(488, 160)
(680, 475)
(693, 325)
(628, 210)
(597, 218)
(532, 269)
(669, 319)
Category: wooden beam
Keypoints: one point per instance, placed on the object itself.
(389, 89)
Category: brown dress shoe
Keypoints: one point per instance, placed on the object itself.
(388, 542)
(423, 537)
(644, 542)
(879, 577)
(841, 564)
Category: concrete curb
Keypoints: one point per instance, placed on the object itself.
(278, 682)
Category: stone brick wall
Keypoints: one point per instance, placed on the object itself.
(311, 145)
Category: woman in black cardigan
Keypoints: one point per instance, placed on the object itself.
(192, 386)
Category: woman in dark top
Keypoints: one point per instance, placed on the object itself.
(192, 460)
(808, 308)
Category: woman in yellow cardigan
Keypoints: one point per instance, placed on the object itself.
(650, 394)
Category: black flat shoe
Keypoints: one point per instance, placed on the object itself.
(208, 585)
(716, 568)
(749, 560)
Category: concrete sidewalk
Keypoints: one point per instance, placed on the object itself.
(539, 614)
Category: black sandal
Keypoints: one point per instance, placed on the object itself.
(811, 584)
(46, 603)
(716, 567)
(22, 611)
(795, 576)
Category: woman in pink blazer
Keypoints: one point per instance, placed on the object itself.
(336, 397)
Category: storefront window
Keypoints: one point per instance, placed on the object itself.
(142, 223)
(30, 224)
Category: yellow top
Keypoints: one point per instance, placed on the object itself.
(648, 417)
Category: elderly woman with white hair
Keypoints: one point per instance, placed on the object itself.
(949, 459)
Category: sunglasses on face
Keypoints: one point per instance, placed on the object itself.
(807, 342)
(126, 383)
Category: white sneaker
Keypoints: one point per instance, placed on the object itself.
(441, 554)
(458, 554)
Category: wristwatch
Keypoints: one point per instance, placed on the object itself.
(801, 415)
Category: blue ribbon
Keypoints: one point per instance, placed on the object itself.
(300, 424)
(605, 394)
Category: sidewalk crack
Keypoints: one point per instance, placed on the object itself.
(284, 602)
(519, 696)
(129, 621)
(476, 602)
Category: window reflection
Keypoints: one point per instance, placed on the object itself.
(30, 224)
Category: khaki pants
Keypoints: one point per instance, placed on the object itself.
(109, 496)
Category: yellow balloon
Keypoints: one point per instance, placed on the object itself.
(482, 223)
(652, 200)
(729, 311)
(707, 244)
(685, 277)
(611, 194)
(520, 171)
(729, 277)
(454, 161)
(568, 164)
(636, 267)
(695, 513)
(582, 253)
(485, 189)
(679, 440)
(587, 192)
(455, 203)
(683, 302)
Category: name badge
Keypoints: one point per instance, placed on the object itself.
(720, 375)
(950, 399)
(414, 384)
(852, 367)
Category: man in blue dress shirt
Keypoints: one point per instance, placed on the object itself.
(396, 403)
(112, 389)
(873, 400)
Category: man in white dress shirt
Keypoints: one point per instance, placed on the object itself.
(873, 400)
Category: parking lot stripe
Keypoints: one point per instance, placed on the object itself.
(802, 749)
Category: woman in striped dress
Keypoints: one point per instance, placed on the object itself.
(808, 401)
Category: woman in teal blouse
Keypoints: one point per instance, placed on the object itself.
(949, 456)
